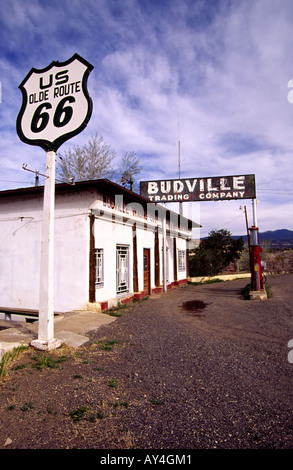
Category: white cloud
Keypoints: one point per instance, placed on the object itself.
(214, 75)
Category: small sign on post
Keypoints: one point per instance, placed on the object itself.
(56, 106)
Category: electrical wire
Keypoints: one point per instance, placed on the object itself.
(22, 182)
(228, 222)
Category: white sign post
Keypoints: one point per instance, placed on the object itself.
(46, 297)
(56, 106)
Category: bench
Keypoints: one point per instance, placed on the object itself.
(26, 312)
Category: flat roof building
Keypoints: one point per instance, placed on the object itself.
(108, 246)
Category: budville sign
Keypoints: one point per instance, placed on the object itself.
(199, 189)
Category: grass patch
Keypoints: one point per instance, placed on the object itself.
(9, 358)
(246, 292)
(109, 345)
(268, 291)
(247, 289)
(116, 311)
(213, 281)
(40, 361)
(208, 281)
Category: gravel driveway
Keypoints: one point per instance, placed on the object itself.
(196, 368)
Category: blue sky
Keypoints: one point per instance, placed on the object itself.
(211, 73)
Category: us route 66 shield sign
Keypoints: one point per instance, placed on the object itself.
(56, 105)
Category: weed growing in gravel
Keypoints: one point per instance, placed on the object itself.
(100, 369)
(47, 361)
(92, 415)
(157, 401)
(113, 383)
(78, 414)
(19, 367)
(121, 403)
(77, 376)
(50, 411)
(27, 406)
(108, 345)
(100, 415)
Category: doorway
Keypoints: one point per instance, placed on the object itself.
(146, 271)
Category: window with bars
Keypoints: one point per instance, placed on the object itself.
(122, 269)
(181, 260)
(99, 267)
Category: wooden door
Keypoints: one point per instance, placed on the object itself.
(146, 271)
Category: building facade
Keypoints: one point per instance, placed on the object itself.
(110, 245)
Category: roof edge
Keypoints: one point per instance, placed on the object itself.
(102, 184)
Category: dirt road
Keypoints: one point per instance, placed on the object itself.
(197, 368)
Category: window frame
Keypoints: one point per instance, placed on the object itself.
(99, 265)
(181, 260)
(122, 269)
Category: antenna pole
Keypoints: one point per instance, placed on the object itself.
(179, 170)
(179, 163)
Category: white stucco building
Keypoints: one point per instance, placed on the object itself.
(108, 246)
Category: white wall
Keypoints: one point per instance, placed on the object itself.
(20, 241)
(107, 236)
(20, 249)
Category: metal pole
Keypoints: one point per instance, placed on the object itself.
(164, 254)
(254, 212)
(179, 160)
(46, 339)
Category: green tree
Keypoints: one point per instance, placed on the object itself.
(215, 253)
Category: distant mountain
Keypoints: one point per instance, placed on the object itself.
(282, 238)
